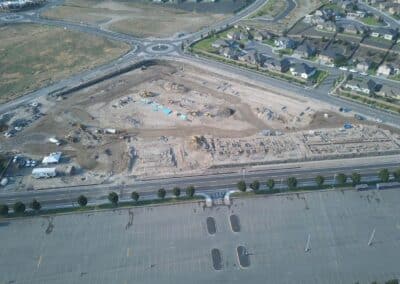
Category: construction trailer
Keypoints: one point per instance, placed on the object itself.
(44, 173)
(53, 158)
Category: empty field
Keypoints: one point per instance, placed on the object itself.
(271, 9)
(32, 56)
(302, 8)
(141, 19)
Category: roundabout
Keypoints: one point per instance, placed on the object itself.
(160, 48)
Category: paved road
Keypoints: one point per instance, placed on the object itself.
(208, 183)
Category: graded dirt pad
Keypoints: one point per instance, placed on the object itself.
(170, 119)
(138, 18)
(33, 56)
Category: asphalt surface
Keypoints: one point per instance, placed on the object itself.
(306, 238)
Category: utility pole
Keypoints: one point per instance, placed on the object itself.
(334, 181)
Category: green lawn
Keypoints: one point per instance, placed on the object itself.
(205, 44)
(319, 76)
(372, 21)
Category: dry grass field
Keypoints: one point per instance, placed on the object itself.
(32, 56)
(135, 18)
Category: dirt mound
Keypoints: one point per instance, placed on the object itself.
(225, 112)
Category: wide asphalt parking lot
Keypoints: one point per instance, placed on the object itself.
(319, 237)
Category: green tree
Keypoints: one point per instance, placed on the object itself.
(319, 180)
(19, 207)
(161, 193)
(392, 281)
(82, 200)
(176, 191)
(135, 196)
(255, 185)
(241, 185)
(113, 198)
(190, 190)
(341, 179)
(384, 175)
(270, 184)
(292, 183)
(355, 178)
(3, 209)
(35, 205)
(396, 174)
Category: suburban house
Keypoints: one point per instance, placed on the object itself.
(364, 87)
(229, 52)
(363, 65)
(285, 43)
(348, 29)
(233, 35)
(305, 50)
(221, 43)
(317, 18)
(273, 64)
(302, 70)
(385, 70)
(251, 57)
(392, 7)
(329, 56)
(356, 14)
(327, 26)
(388, 34)
(263, 35)
(347, 5)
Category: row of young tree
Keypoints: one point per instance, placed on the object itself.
(20, 207)
(341, 179)
(292, 184)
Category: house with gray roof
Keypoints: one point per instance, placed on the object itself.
(303, 70)
(278, 65)
(305, 50)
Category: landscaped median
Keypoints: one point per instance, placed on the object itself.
(80, 204)
(341, 181)
(378, 103)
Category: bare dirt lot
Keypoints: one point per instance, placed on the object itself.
(175, 119)
(137, 18)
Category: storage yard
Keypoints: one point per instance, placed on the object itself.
(167, 119)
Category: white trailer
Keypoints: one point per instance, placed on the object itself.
(44, 173)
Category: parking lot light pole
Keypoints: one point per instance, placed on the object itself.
(334, 181)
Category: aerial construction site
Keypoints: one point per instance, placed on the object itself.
(167, 118)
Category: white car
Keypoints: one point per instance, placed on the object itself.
(353, 70)
(378, 120)
(344, 68)
(364, 74)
